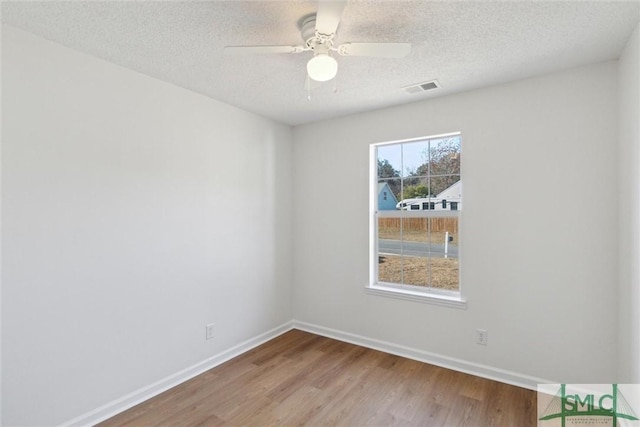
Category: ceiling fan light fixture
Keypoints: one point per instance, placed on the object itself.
(322, 67)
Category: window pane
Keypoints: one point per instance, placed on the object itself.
(388, 193)
(403, 251)
(444, 243)
(389, 229)
(414, 156)
(415, 170)
(415, 187)
(390, 268)
(444, 156)
(415, 246)
(443, 187)
(444, 273)
(416, 270)
(419, 252)
(389, 161)
(390, 232)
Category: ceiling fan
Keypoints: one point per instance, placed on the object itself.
(318, 32)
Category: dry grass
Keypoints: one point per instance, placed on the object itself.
(441, 273)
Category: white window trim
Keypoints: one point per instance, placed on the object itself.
(388, 290)
(405, 292)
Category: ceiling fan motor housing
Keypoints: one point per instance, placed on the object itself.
(317, 42)
(308, 29)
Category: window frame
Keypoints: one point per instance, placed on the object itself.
(441, 297)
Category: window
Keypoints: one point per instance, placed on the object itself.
(415, 246)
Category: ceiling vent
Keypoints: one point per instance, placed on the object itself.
(421, 87)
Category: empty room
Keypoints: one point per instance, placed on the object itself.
(320, 213)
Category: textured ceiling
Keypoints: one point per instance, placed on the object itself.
(464, 45)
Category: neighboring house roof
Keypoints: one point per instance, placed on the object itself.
(451, 192)
(382, 185)
(386, 199)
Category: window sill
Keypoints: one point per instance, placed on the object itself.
(406, 294)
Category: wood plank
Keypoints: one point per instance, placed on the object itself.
(300, 378)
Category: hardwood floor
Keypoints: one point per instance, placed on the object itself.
(303, 379)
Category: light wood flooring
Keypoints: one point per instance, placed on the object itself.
(300, 378)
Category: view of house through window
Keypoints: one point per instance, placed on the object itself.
(418, 204)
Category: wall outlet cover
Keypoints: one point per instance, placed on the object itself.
(210, 330)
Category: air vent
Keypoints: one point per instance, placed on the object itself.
(421, 87)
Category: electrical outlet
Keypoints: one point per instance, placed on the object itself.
(210, 330)
(482, 336)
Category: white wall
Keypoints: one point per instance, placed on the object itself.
(541, 277)
(629, 206)
(127, 227)
(134, 212)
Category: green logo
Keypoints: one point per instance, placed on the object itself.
(612, 405)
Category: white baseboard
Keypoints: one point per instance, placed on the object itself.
(119, 405)
(115, 407)
(467, 367)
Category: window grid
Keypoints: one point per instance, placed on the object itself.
(432, 207)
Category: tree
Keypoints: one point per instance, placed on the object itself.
(441, 167)
(444, 157)
(387, 173)
(386, 170)
(415, 191)
(439, 170)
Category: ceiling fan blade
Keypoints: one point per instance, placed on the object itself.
(328, 16)
(257, 50)
(380, 50)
